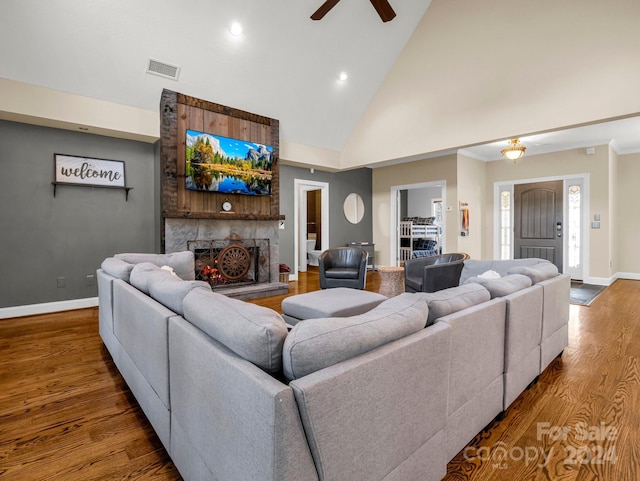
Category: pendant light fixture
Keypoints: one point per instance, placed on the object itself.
(514, 151)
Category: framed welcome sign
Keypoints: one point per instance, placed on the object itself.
(76, 170)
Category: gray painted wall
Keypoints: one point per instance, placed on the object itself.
(419, 201)
(341, 231)
(43, 237)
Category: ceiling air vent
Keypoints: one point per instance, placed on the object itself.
(163, 69)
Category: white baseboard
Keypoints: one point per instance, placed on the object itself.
(604, 281)
(599, 281)
(634, 276)
(47, 307)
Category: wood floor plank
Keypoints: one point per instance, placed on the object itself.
(66, 414)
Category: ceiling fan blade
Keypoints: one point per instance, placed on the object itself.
(324, 9)
(384, 9)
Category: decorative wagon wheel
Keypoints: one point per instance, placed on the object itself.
(234, 262)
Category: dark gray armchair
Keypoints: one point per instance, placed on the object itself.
(433, 273)
(343, 267)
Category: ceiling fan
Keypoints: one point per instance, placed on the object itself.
(382, 7)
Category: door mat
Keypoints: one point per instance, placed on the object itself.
(584, 294)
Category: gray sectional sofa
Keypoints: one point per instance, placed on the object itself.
(392, 394)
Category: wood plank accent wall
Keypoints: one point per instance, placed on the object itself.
(180, 112)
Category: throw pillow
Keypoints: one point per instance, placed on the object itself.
(490, 275)
(170, 270)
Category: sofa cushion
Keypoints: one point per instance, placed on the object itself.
(538, 272)
(253, 332)
(342, 273)
(171, 290)
(335, 302)
(142, 273)
(454, 299)
(182, 262)
(502, 286)
(117, 268)
(318, 343)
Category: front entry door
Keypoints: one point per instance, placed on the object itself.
(538, 221)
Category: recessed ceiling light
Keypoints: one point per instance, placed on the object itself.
(343, 76)
(235, 29)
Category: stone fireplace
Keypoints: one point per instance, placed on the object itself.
(255, 241)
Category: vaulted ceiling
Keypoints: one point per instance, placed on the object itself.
(286, 66)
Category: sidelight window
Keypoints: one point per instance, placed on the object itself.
(506, 231)
(574, 225)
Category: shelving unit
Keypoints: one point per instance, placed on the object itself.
(411, 233)
(126, 189)
(371, 250)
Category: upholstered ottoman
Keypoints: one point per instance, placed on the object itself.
(336, 302)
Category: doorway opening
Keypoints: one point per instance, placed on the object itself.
(417, 203)
(311, 221)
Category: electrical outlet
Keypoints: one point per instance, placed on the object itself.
(61, 282)
(91, 280)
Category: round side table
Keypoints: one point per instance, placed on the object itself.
(391, 280)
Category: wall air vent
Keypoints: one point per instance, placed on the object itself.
(163, 69)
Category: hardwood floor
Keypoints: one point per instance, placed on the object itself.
(66, 414)
(581, 420)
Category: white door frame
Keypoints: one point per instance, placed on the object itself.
(394, 211)
(584, 254)
(301, 187)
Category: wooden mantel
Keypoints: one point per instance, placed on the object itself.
(219, 215)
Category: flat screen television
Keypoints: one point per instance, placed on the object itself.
(230, 166)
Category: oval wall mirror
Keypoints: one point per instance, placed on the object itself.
(353, 208)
